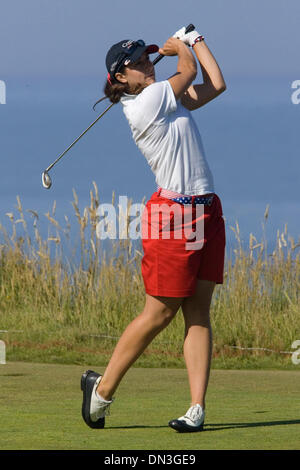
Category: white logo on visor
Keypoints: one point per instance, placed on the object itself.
(127, 44)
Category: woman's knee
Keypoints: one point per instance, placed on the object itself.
(196, 313)
(196, 316)
(161, 311)
(161, 317)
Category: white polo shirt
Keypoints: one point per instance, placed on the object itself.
(168, 137)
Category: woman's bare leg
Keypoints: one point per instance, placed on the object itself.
(198, 339)
(157, 314)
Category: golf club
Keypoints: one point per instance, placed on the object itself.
(188, 29)
(46, 179)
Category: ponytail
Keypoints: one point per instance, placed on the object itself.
(113, 91)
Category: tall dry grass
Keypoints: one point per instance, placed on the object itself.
(91, 295)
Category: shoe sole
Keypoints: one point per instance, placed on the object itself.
(87, 384)
(183, 427)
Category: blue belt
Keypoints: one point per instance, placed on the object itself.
(197, 200)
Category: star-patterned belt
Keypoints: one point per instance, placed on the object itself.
(194, 200)
(184, 199)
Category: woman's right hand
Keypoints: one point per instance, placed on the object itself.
(171, 47)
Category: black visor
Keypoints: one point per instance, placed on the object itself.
(126, 52)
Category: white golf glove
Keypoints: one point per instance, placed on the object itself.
(189, 38)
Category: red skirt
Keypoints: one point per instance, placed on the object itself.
(181, 243)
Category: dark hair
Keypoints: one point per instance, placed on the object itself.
(115, 90)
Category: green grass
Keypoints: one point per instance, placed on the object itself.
(158, 354)
(41, 410)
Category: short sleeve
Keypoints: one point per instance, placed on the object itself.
(158, 99)
(153, 105)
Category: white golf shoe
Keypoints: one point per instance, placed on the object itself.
(94, 408)
(192, 421)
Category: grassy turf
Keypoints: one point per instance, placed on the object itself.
(41, 409)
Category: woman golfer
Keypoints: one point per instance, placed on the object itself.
(175, 273)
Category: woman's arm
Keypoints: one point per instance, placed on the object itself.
(186, 66)
(213, 81)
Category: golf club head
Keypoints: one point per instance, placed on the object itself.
(46, 180)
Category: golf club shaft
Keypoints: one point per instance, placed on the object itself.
(81, 135)
(188, 29)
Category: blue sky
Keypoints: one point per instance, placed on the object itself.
(70, 37)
